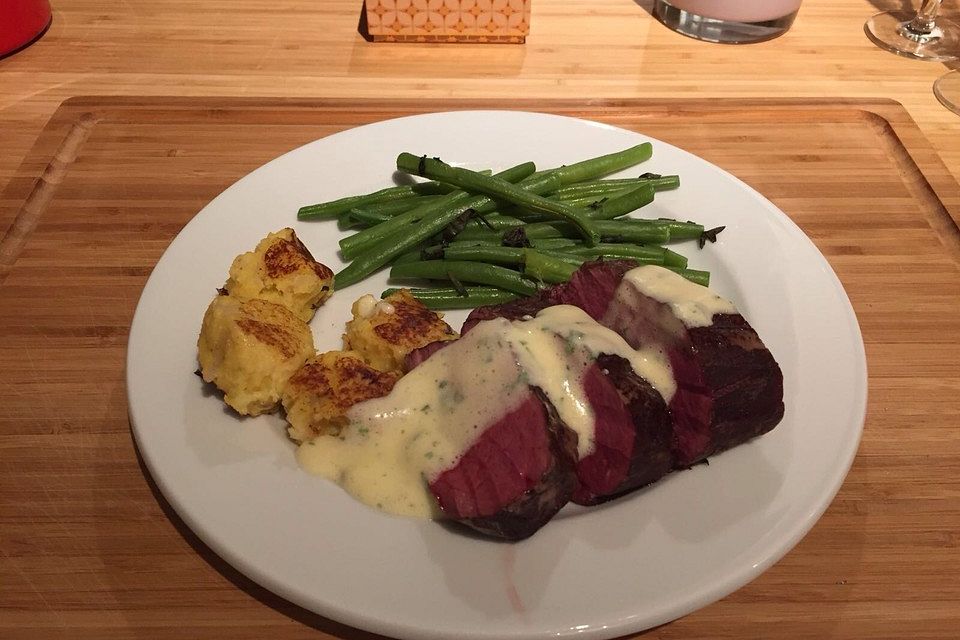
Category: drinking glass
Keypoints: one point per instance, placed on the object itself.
(947, 90)
(923, 35)
(728, 21)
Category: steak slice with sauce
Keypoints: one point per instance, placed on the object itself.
(515, 477)
(633, 433)
(632, 429)
(729, 387)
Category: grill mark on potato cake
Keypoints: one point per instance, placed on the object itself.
(376, 383)
(274, 335)
(284, 257)
(406, 323)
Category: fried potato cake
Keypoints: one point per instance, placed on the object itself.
(281, 270)
(384, 332)
(249, 349)
(318, 395)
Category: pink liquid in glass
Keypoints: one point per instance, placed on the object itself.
(739, 10)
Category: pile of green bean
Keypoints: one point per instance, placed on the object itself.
(507, 234)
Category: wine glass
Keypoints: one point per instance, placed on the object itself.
(923, 35)
(947, 90)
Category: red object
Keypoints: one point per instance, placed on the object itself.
(22, 22)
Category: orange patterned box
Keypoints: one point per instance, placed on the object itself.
(448, 20)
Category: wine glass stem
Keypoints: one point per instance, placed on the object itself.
(925, 21)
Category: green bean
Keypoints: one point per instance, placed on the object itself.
(622, 203)
(485, 253)
(693, 275)
(353, 246)
(547, 268)
(681, 230)
(594, 200)
(395, 207)
(603, 165)
(611, 205)
(510, 256)
(361, 218)
(409, 256)
(497, 221)
(443, 298)
(607, 249)
(604, 187)
(674, 259)
(569, 258)
(476, 272)
(640, 253)
(647, 254)
(554, 243)
(333, 209)
(638, 231)
(468, 243)
(493, 187)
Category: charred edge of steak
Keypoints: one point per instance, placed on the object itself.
(513, 310)
(652, 456)
(524, 516)
(420, 354)
(742, 378)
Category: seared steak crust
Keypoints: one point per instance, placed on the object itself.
(738, 383)
(651, 457)
(513, 310)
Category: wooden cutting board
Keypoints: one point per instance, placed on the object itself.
(88, 547)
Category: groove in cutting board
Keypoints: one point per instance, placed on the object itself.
(940, 220)
(11, 243)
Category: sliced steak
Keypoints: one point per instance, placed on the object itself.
(593, 286)
(729, 387)
(639, 424)
(632, 426)
(515, 477)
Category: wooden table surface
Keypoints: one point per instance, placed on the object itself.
(883, 563)
(576, 49)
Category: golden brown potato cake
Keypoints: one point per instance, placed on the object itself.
(249, 349)
(318, 395)
(385, 332)
(281, 270)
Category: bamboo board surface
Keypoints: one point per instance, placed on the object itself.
(88, 547)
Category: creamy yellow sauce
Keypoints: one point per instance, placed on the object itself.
(693, 304)
(397, 444)
(650, 363)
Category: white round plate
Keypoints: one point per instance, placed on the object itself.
(639, 561)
